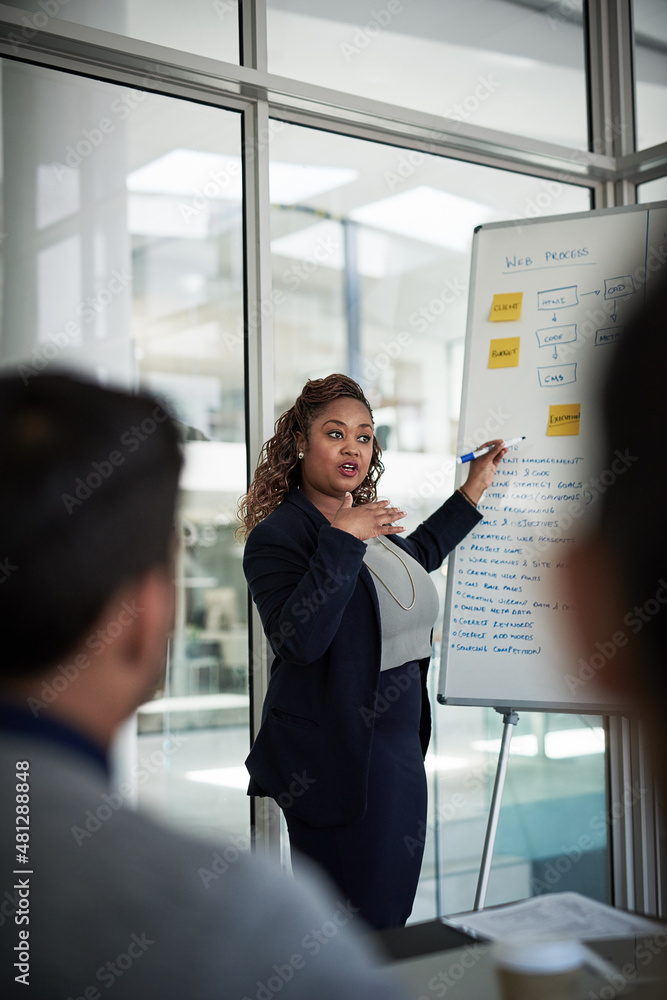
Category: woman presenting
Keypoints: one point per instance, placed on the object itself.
(348, 608)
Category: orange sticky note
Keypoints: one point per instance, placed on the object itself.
(504, 352)
(506, 306)
(564, 419)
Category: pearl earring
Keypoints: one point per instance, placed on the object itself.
(300, 454)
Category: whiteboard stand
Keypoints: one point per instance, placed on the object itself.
(510, 719)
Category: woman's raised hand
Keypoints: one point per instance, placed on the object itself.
(369, 519)
(483, 469)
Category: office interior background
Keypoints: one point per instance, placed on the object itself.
(218, 200)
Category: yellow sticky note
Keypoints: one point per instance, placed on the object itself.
(504, 353)
(506, 306)
(564, 419)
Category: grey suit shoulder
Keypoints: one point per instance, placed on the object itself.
(117, 899)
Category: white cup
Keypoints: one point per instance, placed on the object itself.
(539, 969)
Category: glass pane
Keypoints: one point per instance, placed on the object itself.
(652, 191)
(491, 63)
(122, 258)
(371, 262)
(650, 20)
(552, 830)
(205, 27)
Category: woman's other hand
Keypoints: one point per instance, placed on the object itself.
(483, 469)
(369, 519)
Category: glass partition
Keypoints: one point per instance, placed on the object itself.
(650, 23)
(516, 67)
(371, 261)
(122, 256)
(204, 27)
(653, 190)
(122, 259)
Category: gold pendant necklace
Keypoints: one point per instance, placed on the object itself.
(392, 548)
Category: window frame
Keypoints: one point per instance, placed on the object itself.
(611, 169)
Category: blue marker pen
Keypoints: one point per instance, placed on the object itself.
(472, 455)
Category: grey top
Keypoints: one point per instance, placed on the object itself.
(406, 635)
(119, 900)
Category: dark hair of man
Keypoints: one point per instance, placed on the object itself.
(88, 487)
(632, 507)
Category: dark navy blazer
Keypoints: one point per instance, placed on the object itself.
(319, 608)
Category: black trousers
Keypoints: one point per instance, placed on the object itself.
(376, 861)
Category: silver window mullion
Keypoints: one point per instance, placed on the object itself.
(633, 818)
(611, 90)
(253, 32)
(258, 319)
(644, 165)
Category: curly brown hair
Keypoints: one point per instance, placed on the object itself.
(278, 467)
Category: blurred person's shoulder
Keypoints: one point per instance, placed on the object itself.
(109, 877)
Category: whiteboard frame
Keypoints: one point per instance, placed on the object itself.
(598, 705)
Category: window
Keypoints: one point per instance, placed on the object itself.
(515, 67)
(123, 256)
(204, 27)
(123, 259)
(371, 260)
(653, 190)
(650, 21)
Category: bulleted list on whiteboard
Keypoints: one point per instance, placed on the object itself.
(506, 576)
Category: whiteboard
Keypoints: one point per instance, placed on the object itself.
(507, 611)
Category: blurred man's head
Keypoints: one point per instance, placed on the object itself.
(88, 486)
(620, 575)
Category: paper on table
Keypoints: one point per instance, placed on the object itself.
(566, 913)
